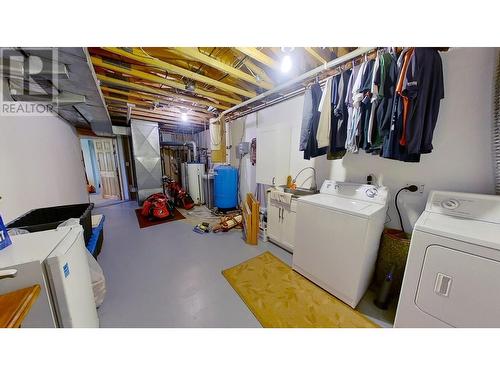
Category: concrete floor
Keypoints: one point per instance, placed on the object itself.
(169, 276)
(99, 201)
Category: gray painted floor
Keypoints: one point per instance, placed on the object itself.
(169, 276)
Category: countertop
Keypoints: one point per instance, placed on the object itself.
(14, 306)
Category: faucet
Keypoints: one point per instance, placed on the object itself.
(313, 183)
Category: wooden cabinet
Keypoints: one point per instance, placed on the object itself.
(281, 220)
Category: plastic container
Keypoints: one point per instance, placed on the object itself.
(4, 236)
(95, 243)
(47, 218)
(226, 187)
(393, 252)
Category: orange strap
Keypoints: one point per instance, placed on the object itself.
(399, 90)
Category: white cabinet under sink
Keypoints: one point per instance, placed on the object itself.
(281, 223)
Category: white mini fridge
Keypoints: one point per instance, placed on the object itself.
(57, 261)
(195, 181)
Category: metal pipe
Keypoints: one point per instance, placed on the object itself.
(188, 143)
(195, 150)
(313, 183)
(332, 64)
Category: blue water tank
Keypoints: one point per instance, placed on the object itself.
(226, 187)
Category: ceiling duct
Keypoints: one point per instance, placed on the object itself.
(62, 76)
(22, 67)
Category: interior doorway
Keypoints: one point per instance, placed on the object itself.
(102, 170)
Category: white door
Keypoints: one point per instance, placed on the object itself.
(107, 168)
(274, 226)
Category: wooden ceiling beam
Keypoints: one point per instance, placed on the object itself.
(259, 56)
(257, 70)
(123, 107)
(194, 54)
(177, 115)
(181, 71)
(162, 120)
(157, 91)
(156, 99)
(171, 125)
(97, 61)
(160, 114)
(316, 55)
(131, 101)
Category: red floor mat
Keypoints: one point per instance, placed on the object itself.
(144, 222)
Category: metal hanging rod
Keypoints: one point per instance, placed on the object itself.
(304, 77)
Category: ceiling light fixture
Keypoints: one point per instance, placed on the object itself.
(286, 64)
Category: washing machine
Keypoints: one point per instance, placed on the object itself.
(337, 237)
(452, 275)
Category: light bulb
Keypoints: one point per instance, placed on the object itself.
(286, 64)
(184, 117)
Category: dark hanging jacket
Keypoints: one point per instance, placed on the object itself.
(312, 149)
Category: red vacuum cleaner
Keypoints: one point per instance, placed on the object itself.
(178, 194)
(157, 207)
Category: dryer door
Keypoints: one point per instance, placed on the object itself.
(459, 289)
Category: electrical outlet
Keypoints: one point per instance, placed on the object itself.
(420, 187)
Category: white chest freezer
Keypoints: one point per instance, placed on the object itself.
(56, 260)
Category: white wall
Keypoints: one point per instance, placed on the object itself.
(462, 157)
(40, 165)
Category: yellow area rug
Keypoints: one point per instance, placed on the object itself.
(280, 297)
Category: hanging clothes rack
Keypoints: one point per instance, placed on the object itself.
(231, 113)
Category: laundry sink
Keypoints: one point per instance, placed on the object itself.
(299, 191)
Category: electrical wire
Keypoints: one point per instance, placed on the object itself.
(411, 188)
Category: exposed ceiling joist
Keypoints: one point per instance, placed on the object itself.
(194, 54)
(181, 71)
(159, 114)
(157, 91)
(128, 101)
(259, 56)
(156, 99)
(316, 55)
(257, 70)
(164, 120)
(97, 61)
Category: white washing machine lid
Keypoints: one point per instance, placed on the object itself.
(472, 231)
(350, 206)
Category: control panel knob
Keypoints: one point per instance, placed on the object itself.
(450, 204)
(371, 193)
